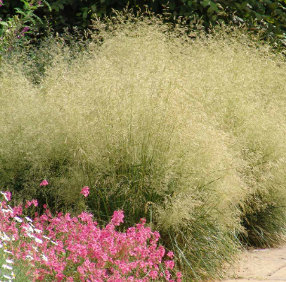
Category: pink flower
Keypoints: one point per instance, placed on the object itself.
(98, 253)
(85, 217)
(169, 264)
(153, 274)
(85, 191)
(33, 202)
(117, 218)
(170, 254)
(17, 210)
(44, 183)
(167, 275)
(179, 276)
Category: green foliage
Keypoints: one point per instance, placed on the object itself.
(19, 269)
(264, 220)
(202, 248)
(187, 133)
(14, 30)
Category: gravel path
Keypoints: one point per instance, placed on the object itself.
(260, 265)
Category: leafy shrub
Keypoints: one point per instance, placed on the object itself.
(14, 30)
(267, 16)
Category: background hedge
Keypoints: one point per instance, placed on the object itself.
(266, 15)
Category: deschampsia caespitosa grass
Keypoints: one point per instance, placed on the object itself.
(187, 133)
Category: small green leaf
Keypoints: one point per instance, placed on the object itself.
(258, 16)
(26, 4)
(269, 19)
(93, 8)
(243, 5)
(49, 7)
(19, 11)
(213, 6)
(268, 2)
(273, 6)
(3, 23)
(210, 11)
(205, 3)
(214, 18)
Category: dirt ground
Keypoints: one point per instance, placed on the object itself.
(260, 265)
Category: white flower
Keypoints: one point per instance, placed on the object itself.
(29, 257)
(5, 210)
(17, 218)
(38, 230)
(28, 219)
(6, 266)
(28, 229)
(7, 252)
(4, 237)
(10, 208)
(30, 235)
(9, 261)
(4, 196)
(38, 240)
(8, 277)
(31, 224)
(44, 258)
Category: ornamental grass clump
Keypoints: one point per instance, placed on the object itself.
(187, 133)
(122, 123)
(244, 93)
(65, 248)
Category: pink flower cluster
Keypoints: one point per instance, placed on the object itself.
(65, 248)
(44, 183)
(85, 191)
